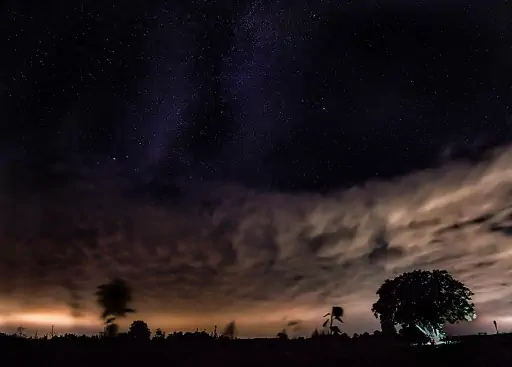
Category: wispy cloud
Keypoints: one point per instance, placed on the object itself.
(222, 252)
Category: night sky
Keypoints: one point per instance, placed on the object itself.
(256, 161)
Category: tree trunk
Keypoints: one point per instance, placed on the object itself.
(433, 334)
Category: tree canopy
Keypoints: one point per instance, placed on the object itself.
(114, 298)
(424, 299)
(139, 330)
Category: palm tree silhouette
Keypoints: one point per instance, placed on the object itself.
(113, 298)
(336, 313)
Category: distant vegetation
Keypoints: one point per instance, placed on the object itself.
(420, 303)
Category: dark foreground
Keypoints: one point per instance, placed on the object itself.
(481, 351)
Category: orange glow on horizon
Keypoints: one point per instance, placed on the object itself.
(252, 319)
(260, 323)
(43, 318)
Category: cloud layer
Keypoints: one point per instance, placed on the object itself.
(220, 252)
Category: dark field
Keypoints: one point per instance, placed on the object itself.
(493, 350)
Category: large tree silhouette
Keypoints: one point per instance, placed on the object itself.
(426, 300)
(114, 298)
(139, 330)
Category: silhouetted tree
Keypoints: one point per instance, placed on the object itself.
(495, 326)
(335, 314)
(426, 300)
(114, 298)
(282, 335)
(230, 330)
(111, 329)
(139, 330)
(387, 327)
(159, 334)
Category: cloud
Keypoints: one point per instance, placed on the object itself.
(222, 252)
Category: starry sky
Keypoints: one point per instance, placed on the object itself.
(256, 161)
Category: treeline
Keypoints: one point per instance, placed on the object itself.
(419, 303)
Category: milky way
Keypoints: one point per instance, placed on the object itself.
(256, 257)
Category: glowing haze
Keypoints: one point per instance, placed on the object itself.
(219, 253)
